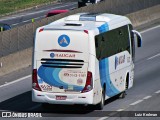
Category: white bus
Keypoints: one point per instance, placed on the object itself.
(84, 58)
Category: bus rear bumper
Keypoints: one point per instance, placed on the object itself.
(44, 97)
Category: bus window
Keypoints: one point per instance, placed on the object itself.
(114, 41)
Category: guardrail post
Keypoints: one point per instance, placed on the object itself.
(33, 20)
(1, 29)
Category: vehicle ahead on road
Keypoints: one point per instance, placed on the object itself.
(83, 59)
(55, 12)
(4, 27)
(82, 3)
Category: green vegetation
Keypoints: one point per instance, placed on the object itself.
(7, 6)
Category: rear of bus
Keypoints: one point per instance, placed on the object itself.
(60, 67)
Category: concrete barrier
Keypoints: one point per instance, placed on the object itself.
(22, 58)
(143, 17)
(15, 61)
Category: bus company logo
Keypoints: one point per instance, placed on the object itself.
(52, 55)
(63, 40)
(119, 60)
(56, 55)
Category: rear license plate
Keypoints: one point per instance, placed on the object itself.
(61, 97)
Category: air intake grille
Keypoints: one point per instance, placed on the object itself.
(62, 63)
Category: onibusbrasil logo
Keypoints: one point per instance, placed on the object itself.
(63, 40)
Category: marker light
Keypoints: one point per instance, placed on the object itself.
(41, 29)
(86, 31)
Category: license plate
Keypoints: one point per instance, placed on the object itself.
(61, 97)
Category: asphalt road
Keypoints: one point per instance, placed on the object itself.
(36, 13)
(143, 96)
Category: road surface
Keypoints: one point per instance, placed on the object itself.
(144, 96)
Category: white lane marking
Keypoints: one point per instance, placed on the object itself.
(21, 22)
(28, 20)
(147, 97)
(157, 91)
(34, 107)
(120, 110)
(102, 118)
(37, 12)
(34, 18)
(14, 81)
(112, 114)
(154, 56)
(138, 101)
(72, 8)
(149, 29)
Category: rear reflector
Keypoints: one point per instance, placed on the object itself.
(89, 83)
(35, 80)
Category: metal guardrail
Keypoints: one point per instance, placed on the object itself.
(21, 38)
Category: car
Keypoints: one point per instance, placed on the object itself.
(82, 3)
(55, 12)
(4, 27)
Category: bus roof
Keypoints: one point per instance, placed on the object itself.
(88, 21)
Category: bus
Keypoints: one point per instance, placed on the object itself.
(85, 58)
(82, 3)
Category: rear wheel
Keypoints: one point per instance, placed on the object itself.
(101, 104)
(123, 94)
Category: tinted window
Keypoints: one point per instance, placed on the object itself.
(112, 42)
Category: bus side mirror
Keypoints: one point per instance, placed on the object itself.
(139, 38)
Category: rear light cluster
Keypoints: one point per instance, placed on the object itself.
(35, 80)
(89, 83)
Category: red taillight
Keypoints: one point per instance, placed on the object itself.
(41, 29)
(35, 80)
(89, 83)
(86, 31)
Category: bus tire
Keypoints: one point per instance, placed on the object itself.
(101, 104)
(122, 95)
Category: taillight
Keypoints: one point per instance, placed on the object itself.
(35, 80)
(40, 30)
(86, 31)
(89, 83)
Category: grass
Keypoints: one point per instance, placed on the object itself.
(7, 6)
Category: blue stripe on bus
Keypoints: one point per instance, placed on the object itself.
(105, 78)
(103, 28)
(51, 77)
